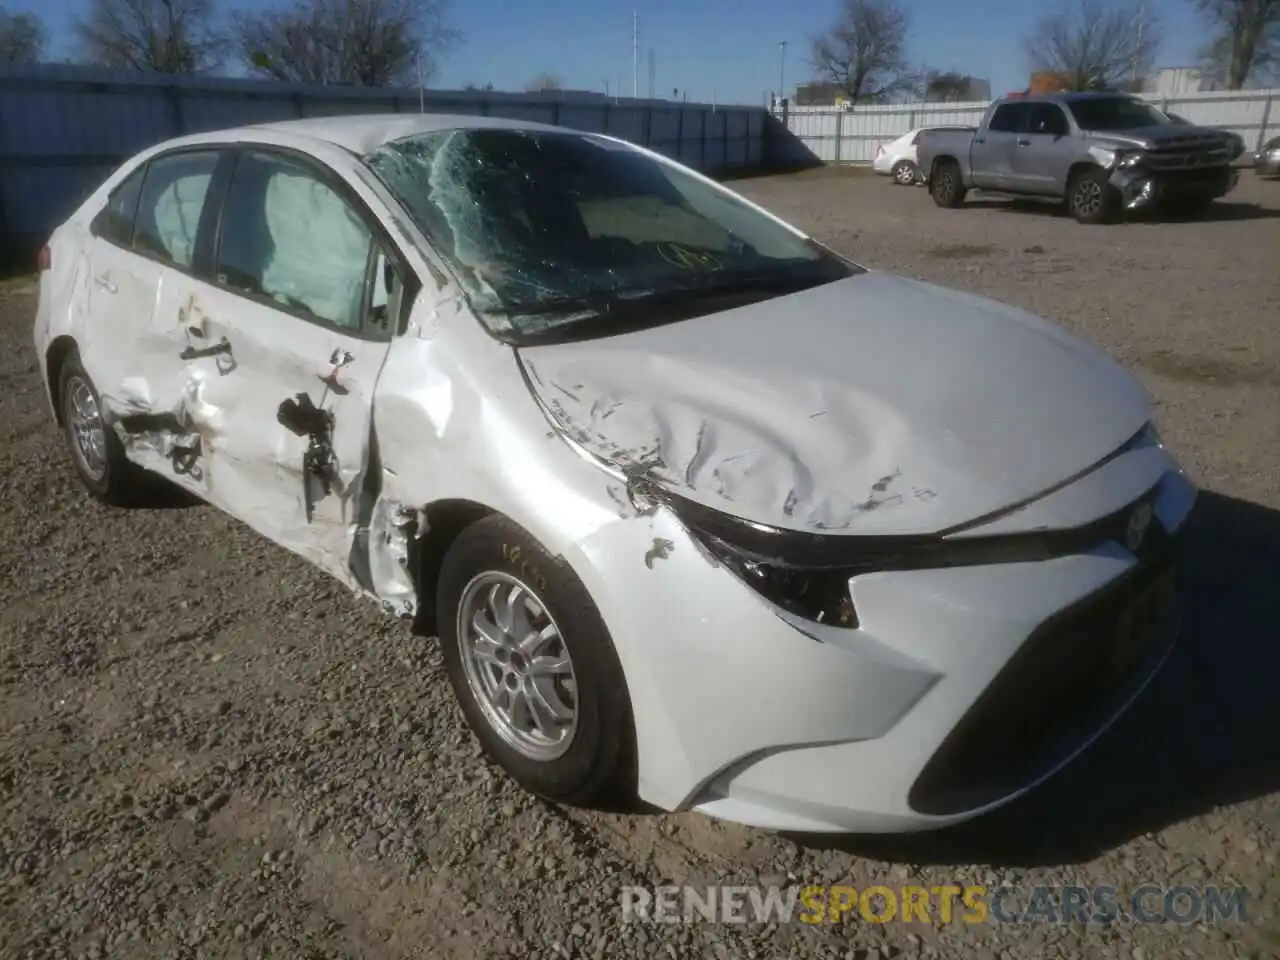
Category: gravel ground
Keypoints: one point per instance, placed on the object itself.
(209, 749)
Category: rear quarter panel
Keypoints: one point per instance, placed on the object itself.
(953, 144)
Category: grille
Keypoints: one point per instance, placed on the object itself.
(1188, 153)
(1055, 692)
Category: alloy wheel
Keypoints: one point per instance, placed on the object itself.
(88, 430)
(1088, 197)
(517, 665)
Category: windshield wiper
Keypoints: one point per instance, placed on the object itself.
(718, 284)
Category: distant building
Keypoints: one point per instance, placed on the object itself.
(819, 93)
(1046, 82)
(956, 88)
(1176, 81)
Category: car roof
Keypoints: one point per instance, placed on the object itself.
(364, 133)
(1077, 96)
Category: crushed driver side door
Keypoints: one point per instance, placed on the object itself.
(287, 336)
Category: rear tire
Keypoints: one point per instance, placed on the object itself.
(1091, 198)
(945, 184)
(905, 173)
(96, 451)
(499, 584)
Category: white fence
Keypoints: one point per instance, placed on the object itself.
(64, 128)
(851, 136)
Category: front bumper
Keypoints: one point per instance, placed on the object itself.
(1141, 188)
(913, 721)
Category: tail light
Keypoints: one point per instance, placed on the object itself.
(880, 150)
(45, 260)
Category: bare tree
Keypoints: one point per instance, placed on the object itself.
(864, 52)
(1245, 40)
(160, 36)
(1096, 44)
(364, 43)
(22, 38)
(543, 81)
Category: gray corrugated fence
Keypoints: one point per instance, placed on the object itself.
(63, 129)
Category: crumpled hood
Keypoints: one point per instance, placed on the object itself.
(872, 405)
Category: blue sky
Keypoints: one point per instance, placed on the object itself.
(727, 49)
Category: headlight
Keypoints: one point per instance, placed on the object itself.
(820, 595)
(1109, 158)
(805, 574)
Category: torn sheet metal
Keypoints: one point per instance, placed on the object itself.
(1137, 189)
(876, 404)
(393, 530)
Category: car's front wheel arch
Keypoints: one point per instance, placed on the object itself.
(445, 521)
(499, 589)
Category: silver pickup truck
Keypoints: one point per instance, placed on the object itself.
(1100, 152)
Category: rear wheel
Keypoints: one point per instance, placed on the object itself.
(945, 185)
(1091, 198)
(905, 173)
(534, 668)
(96, 452)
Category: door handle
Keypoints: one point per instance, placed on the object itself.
(1024, 143)
(191, 353)
(979, 139)
(104, 281)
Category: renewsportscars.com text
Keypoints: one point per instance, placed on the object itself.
(1146, 904)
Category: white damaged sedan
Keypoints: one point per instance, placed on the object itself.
(698, 508)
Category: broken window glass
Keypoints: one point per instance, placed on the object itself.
(534, 219)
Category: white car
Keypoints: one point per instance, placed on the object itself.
(897, 158)
(698, 508)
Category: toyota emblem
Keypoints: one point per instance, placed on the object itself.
(1139, 522)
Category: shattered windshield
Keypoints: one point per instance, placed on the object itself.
(1115, 113)
(550, 228)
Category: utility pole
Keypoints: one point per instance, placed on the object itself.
(1137, 47)
(422, 105)
(635, 55)
(782, 68)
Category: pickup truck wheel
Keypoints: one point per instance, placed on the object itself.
(945, 185)
(1091, 198)
(905, 173)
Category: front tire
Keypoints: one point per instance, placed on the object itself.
(96, 451)
(945, 184)
(534, 668)
(1091, 198)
